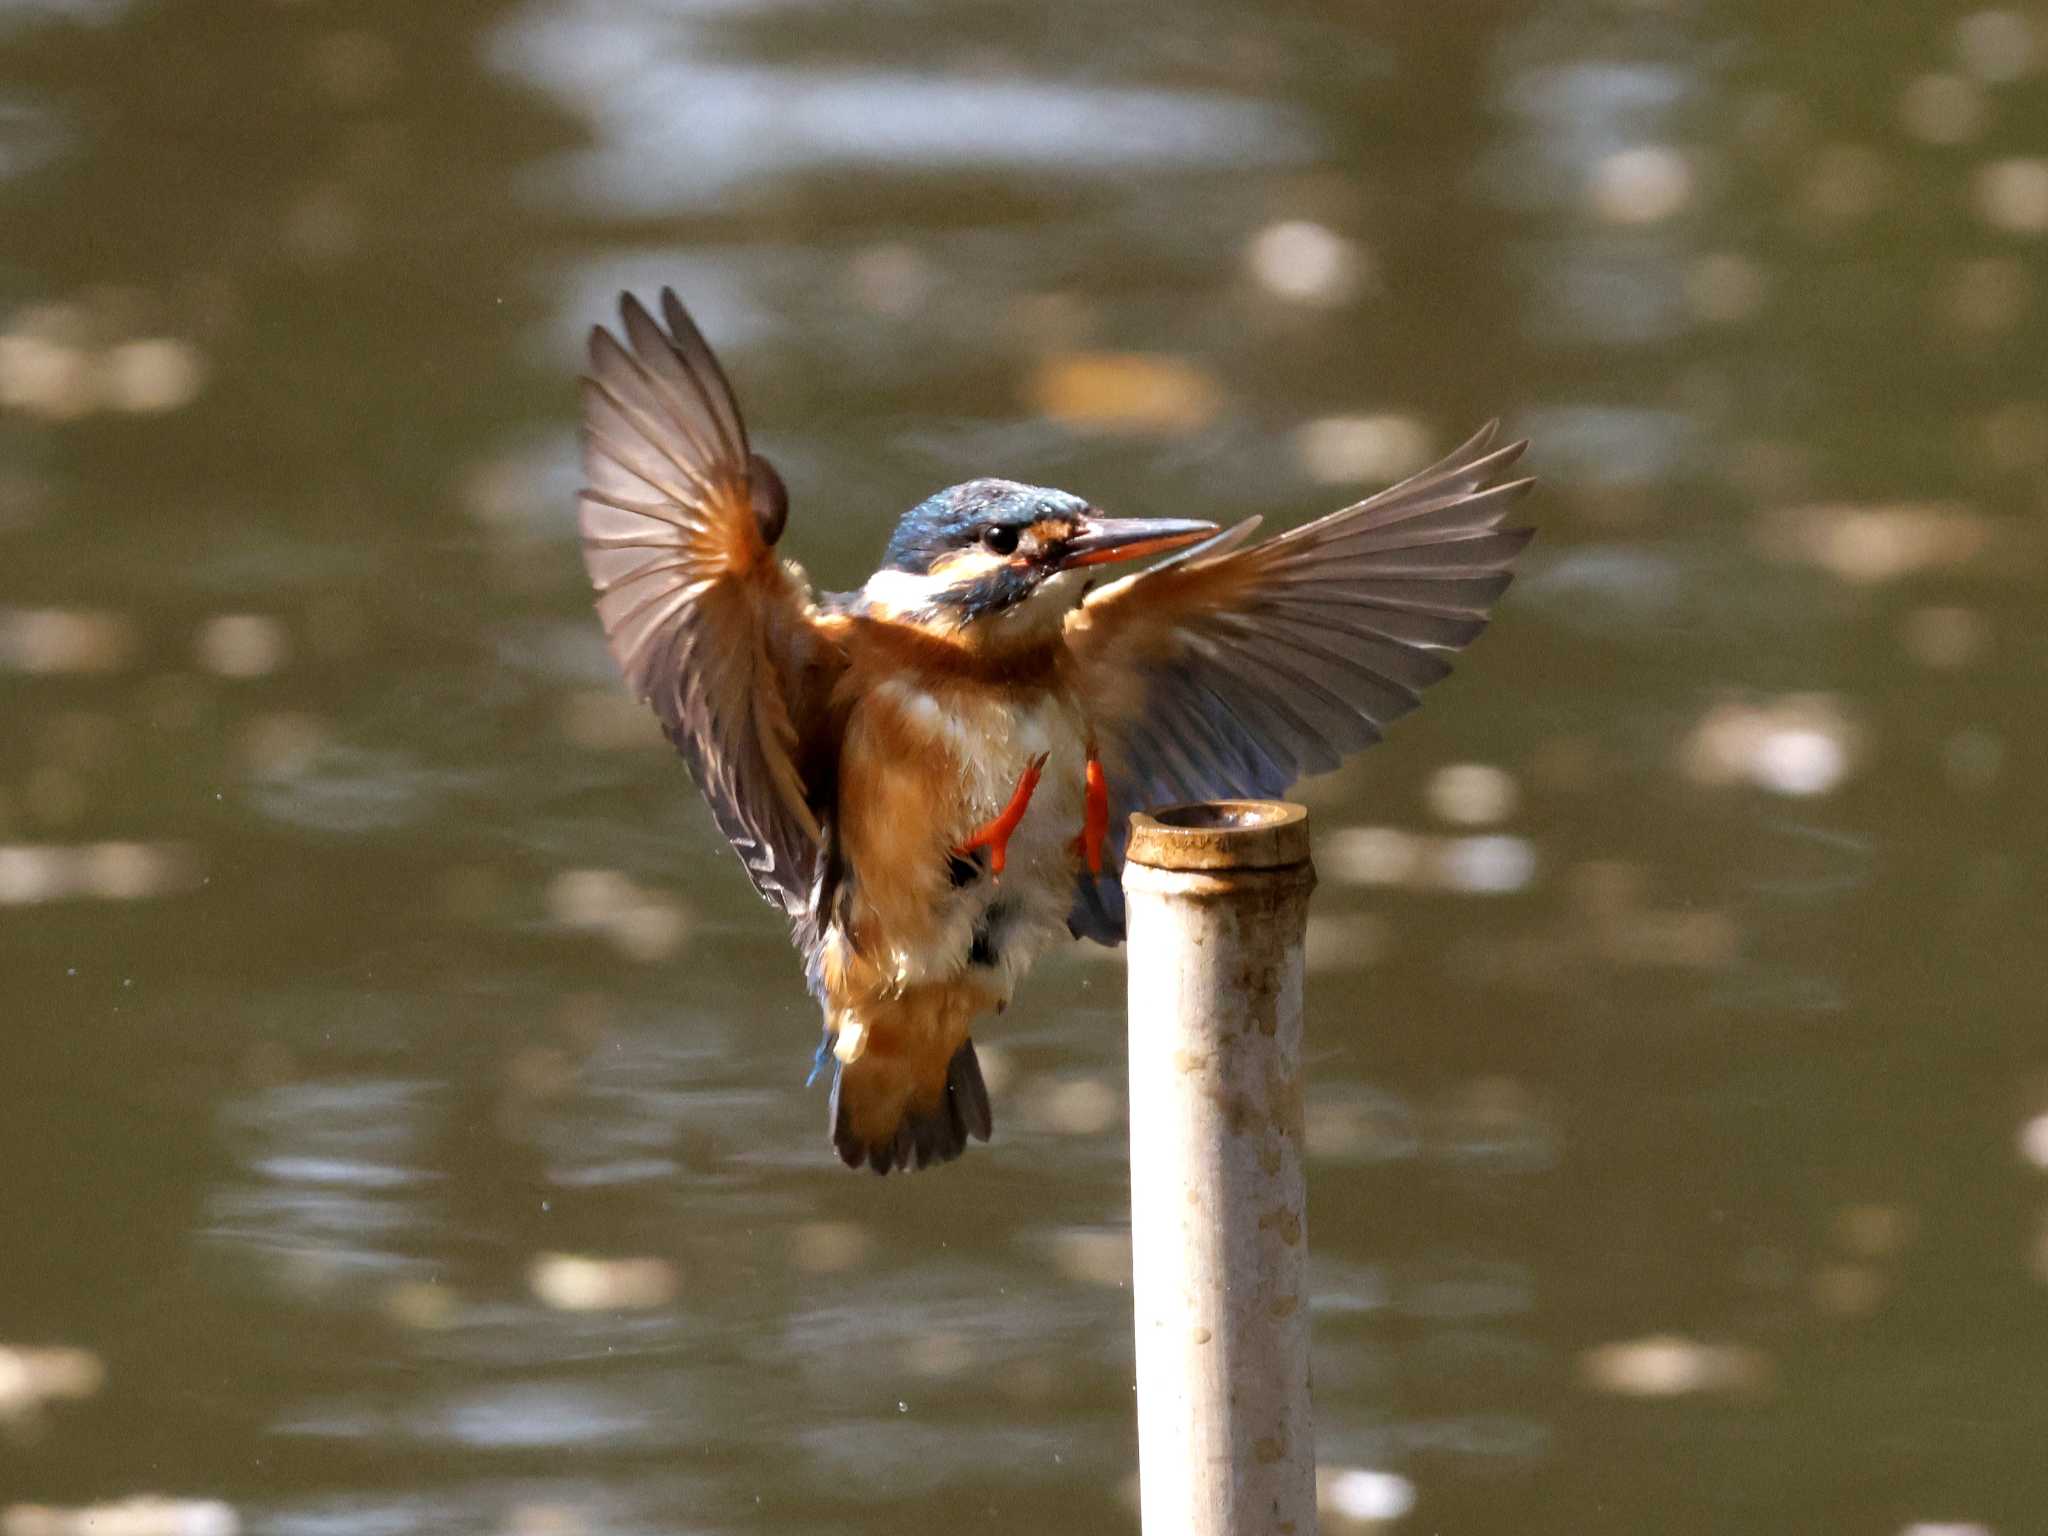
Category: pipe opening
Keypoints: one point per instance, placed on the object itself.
(1222, 814)
(1220, 835)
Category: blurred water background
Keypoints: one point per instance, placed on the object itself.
(402, 1124)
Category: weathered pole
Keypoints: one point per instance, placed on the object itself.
(1217, 899)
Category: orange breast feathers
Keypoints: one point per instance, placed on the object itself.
(926, 760)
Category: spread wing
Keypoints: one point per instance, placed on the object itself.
(1238, 668)
(679, 521)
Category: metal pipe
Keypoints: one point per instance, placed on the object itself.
(1217, 908)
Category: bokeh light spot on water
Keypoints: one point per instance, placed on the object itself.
(242, 645)
(1074, 1104)
(1873, 1230)
(47, 378)
(1671, 1365)
(1125, 392)
(31, 874)
(890, 279)
(142, 1515)
(606, 720)
(1495, 1122)
(1997, 46)
(941, 1353)
(1494, 865)
(426, 1305)
(1354, 450)
(1372, 855)
(1802, 745)
(2012, 195)
(1847, 1290)
(1307, 263)
(828, 1247)
(157, 374)
(1939, 108)
(1346, 941)
(1360, 1499)
(1488, 864)
(643, 924)
(1985, 295)
(1361, 1125)
(1947, 639)
(65, 640)
(33, 1375)
(1092, 1255)
(1472, 794)
(1868, 545)
(63, 361)
(280, 744)
(571, 1282)
(2033, 1141)
(2014, 436)
(1724, 288)
(1643, 185)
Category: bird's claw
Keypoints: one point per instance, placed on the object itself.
(995, 834)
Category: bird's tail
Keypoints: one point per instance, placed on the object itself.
(908, 1108)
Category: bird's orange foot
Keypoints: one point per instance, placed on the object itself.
(1095, 821)
(995, 835)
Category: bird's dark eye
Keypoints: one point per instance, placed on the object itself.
(1002, 541)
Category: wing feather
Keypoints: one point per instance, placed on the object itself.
(1236, 668)
(707, 626)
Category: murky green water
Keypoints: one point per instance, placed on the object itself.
(402, 1117)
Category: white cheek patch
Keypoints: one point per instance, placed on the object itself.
(902, 591)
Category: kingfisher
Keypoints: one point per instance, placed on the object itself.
(932, 776)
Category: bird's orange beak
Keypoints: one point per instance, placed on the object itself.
(1100, 540)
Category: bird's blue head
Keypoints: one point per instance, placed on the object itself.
(993, 548)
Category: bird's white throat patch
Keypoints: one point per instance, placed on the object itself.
(895, 594)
